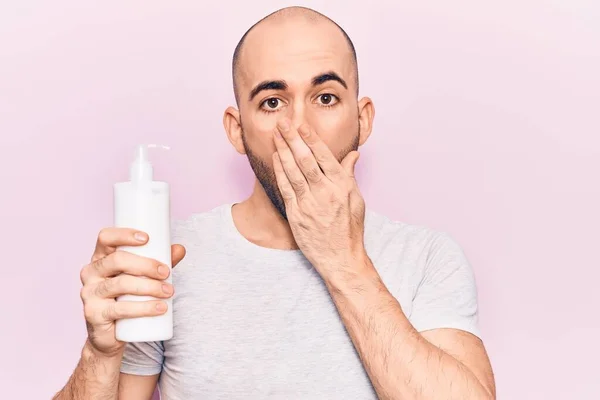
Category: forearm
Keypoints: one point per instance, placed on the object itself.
(95, 378)
(400, 362)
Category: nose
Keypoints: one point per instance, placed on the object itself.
(297, 114)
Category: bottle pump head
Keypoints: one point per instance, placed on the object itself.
(141, 168)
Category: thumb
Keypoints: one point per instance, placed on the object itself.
(349, 162)
(177, 254)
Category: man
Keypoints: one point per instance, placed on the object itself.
(297, 292)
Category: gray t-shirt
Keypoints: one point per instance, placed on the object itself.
(258, 323)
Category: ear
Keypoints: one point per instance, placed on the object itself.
(233, 127)
(366, 114)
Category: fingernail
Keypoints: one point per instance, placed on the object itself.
(140, 237)
(167, 289)
(278, 134)
(163, 270)
(161, 306)
(283, 125)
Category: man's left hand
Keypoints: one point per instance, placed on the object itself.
(323, 204)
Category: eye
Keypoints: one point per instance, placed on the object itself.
(327, 99)
(271, 104)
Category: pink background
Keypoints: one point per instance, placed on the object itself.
(487, 127)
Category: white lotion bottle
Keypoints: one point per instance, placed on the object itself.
(144, 204)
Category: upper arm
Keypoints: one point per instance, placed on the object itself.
(445, 308)
(136, 387)
(446, 296)
(466, 348)
(140, 368)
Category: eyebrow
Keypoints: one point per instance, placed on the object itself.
(282, 85)
(268, 85)
(328, 76)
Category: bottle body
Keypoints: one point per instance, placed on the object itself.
(145, 206)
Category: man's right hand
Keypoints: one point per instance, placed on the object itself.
(113, 273)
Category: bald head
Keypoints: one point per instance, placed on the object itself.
(298, 65)
(285, 19)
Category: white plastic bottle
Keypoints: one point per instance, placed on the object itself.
(144, 204)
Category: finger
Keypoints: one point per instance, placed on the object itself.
(133, 309)
(301, 152)
(128, 263)
(283, 183)
(291, 169)
(177, 254)
(325, 158)
(129, 284)
(111, 238)
(349, 162)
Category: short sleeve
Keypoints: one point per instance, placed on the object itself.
(447, 294)
(143, 358)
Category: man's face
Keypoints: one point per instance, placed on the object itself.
(304, 71)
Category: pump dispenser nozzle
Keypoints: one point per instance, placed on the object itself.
(141, 168)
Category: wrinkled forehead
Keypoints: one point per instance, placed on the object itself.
(294, 52)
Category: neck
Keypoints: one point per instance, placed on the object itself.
(260, 223)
